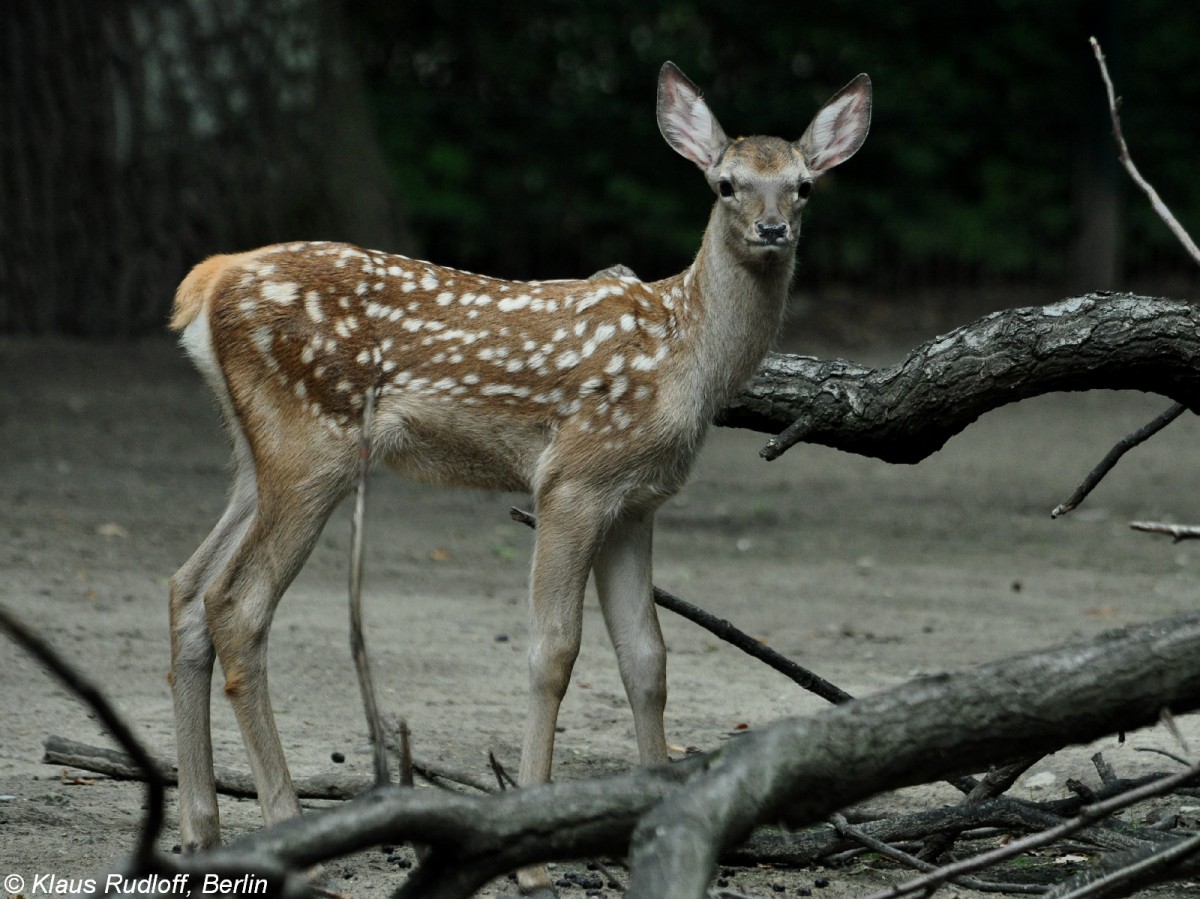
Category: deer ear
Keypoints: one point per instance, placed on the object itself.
(686, 121)
(839, 127)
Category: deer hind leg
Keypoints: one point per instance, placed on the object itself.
(192, 662)
(623, 582)
(290, 513)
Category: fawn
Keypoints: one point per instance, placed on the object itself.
(594, 395)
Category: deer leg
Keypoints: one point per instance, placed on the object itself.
(240, 606)
(570, 525)
(623, 581)
(191, 666)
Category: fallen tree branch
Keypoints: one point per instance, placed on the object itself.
(929, 729)
(906, 412)
(111, 763)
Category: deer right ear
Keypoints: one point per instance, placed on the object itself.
(840, 127)
(686, 121)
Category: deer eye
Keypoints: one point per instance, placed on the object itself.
(725, 187)
(803, 189)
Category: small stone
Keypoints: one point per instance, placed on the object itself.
(338, 757)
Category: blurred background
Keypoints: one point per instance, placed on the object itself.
(519, 140)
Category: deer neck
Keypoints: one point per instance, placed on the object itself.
(738, 304)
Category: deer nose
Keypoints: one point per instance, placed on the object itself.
(771, 232)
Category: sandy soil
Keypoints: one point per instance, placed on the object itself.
(114, 467)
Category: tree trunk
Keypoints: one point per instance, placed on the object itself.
(141, 136)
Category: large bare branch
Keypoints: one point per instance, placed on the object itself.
(907, 411)
(796, 770)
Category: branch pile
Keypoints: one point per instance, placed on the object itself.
(676, 820)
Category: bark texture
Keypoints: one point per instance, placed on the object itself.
(906, 412)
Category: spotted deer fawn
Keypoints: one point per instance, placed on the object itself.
(594, 395)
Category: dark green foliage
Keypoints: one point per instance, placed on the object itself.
(522, 136)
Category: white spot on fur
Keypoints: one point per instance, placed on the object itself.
(312, 305)
(264, 339)
(282, 293)
(504, 389)
(513, 304)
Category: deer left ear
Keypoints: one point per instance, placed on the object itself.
(839, 127)
(686, 121)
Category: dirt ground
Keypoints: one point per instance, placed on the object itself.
(114, 466)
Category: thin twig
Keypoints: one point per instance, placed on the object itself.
(846, 829)
(1104, 769)
(400, 742)
(611, 879)
(91, 695)
(720, 627)
(1171, 755)
(1087, 815)
(1123, 152)
(1177, 532)
(358, 647)
(1135, 872)
(502, 776)
(1168, 721)
(1124, 445)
